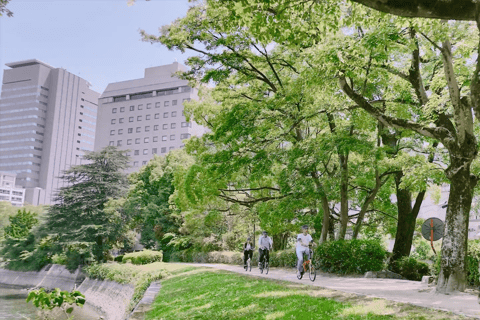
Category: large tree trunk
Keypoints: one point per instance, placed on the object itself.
(407, 217)
(454, 247)
(343, 196)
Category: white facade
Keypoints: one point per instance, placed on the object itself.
(9, 191)
(145, 116)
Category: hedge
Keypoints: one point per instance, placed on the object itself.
(410, 268)
(143, 257)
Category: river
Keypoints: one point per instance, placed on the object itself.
(13, 306)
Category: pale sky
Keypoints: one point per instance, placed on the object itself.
(98, 40)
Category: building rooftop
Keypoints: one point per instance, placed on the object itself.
(25, 63)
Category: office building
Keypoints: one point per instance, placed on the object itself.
(47, 122)
(145, 115)
(9, 191)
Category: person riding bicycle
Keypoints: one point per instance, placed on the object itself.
(247, 251)
(303, 246)
(265, 244)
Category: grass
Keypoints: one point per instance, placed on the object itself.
(213, 294)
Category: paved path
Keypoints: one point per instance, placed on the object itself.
(412, 292)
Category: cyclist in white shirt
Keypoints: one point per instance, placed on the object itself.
(247, 251)
(303, 242)
(265, 244)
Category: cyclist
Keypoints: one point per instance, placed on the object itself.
(247, 251)
(303, 246)
(265, 244)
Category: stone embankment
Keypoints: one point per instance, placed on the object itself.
(109, 299)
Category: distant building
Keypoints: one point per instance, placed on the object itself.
(145, 115)
(9, 192)
(47, 122)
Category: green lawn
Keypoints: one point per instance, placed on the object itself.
(204, 294)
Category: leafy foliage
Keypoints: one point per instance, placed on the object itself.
(63, 300)
(21, 224)
(143, 257)
(410, 268)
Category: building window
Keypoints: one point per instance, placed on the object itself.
(186, 124)
(139, 129)
(111, 143)
(137, 141)
(174, 102)
(188, 99)
(174, 113)
(114, 110)
(185, 136)
(158, 104)
(157, 115)
(122, 109)
(164, 138)
(172, 137)
(146, 140)
(155, 139)
(145, 151)
(147, 117)
(140, 106)
(147, 128)
(120, 131)
(129, 141)
(135, 163)
(144, 163)
(155, 127)
(173, 125)
(164, 149)
(166, 104)
(119, 143)
(149, 106)
(165, 114)
(113, 121)
(130, 119)
(120, 120)
(130, 130)
(112, 132)
(171, 148)
(165, 126)
(136, 152)
(139, 118)
(132, 108)
(154, 150)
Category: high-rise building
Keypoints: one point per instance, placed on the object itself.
(47, 122)
(145, 115)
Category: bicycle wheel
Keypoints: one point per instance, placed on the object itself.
(312, 274)
(267, 268)
(299, 275)
(261, 267)
(249, 265)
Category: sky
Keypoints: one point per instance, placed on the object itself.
(97, 40)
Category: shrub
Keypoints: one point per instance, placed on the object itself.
(143, 257)
(284, 258)
(352, 256)
(410, 268)
(118, 258)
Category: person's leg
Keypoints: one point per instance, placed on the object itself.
(260, 256)
(299, 259)
(245, 257)
(250, 255)
(267, 255)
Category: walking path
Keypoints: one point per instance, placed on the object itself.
(412, 292)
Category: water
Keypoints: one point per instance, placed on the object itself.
(13, 305)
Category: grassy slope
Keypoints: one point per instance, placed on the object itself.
(209, 294)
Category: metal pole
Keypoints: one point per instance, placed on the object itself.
(431, 236)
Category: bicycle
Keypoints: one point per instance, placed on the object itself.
(248, 267)
(264, 265)
(308, 264)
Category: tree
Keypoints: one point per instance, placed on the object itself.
(78, 218)
(3, 8)
(21, 224)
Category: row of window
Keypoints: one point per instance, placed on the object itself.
(22, 125)
(19, 163)
(147, 139)
(21, 110)
(20, 140)
(22, 117)
(38, 94)
(148, 106)
(23, 88)
(88, 108)
(147, 94)
(21, 148)
(147, 128)
(87, 128)
(15, 193)
(86, 135)
(86, 121)
(18, 103)
(147, 117)
(25, 155)
(15, 133)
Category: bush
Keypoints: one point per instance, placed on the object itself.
(118, 258)
(352, 256)
(143, 257)
(410, 268)
(284, 258)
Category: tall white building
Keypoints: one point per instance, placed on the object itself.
(47, 122)
(9, 191)
(146, 115)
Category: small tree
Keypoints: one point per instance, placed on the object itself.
(21, 224)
